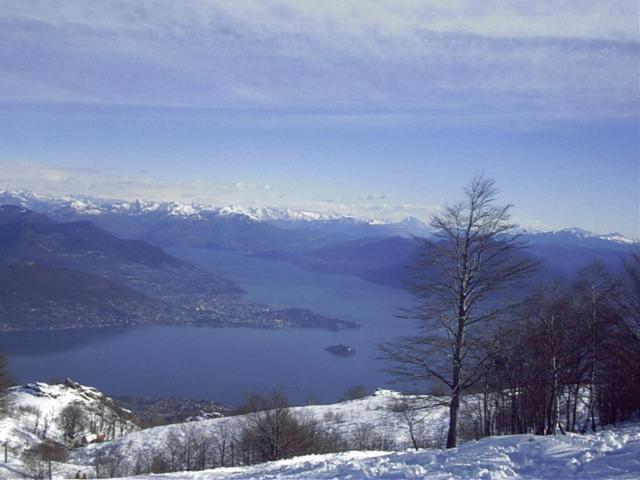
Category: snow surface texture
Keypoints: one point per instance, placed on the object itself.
(611, 453)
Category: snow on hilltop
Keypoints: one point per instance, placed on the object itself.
(34, 408)
(33, 411)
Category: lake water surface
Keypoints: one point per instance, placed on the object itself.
(224, 364)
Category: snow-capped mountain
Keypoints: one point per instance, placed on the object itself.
(326, 223)
(209, 226)
(572, 236)
(585, 234)
(82, 205)
(284, 215)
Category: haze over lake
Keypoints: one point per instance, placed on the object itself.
(223, 364)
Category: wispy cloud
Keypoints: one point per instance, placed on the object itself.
(457, 60)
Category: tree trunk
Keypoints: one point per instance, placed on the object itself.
(453, 418)
(485, 412)
(594, 379)
(414, 440)
(456, 391)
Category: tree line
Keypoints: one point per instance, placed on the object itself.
(566, 362)
(542, 360)
(263, 429)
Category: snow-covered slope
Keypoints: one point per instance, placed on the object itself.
(370, 420)
(34, 409)
(613, 453)
(33, 413)
(610, 453)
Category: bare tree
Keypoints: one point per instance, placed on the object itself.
(72, 421)
(630, 310)
(413, 413)
(223, 439)
(630, 298)
(273, 431)
(474, 256)
(611, 314)
(598, 291)
(269, 428)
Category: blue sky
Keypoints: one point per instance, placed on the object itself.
(379, 109)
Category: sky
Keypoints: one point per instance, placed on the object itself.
(380, 109)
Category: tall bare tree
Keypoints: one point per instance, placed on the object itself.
(474, 256)
(618, 345)
(598, 292)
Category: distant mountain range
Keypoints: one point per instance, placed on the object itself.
(75, 274)
(386, 260)
(250, 230)
(326, 243)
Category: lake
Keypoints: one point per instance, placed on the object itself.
(223, 364)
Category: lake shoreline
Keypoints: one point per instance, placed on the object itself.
(223, 363)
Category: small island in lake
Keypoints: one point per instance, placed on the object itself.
(341, 350)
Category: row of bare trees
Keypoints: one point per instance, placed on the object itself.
(266, 428)
(567, 361)
(269, 429)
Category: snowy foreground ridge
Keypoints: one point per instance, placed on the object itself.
(612, 453)
(608, 454)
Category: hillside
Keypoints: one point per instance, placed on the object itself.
(387, 260)
(35, 295)
(69, 275)
(33, 410)
(26, 236)
(370, 422)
